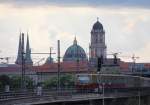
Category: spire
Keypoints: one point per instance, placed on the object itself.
(22, 46)
(28, 52)
(27, 45)
(19, 56)
(75, 41)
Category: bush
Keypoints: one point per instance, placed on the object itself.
(51, 83)
(65, 81)
(16, 82)
(5, 80)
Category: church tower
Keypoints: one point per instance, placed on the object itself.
(97, 45)
(26, 54)
(28, 59)
(20, 49)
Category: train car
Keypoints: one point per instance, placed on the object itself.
(145, 82)
(113, 82)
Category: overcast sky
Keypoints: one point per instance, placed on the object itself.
(126, 23)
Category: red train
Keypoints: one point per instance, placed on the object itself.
(94, 82)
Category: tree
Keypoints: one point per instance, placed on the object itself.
(51, 83)
(132, 101)
(66, 80)
(1, 86)
(29, 83)
(16, 82)
(5, 80)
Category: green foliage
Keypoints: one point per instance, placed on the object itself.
(16, 82)
(5, 80)
(29, 83)
(50, 83)
(1, 86)
(132, 101)
(66, 80)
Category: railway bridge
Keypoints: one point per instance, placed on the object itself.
(71, 97)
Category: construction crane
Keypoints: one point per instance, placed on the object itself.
(133, 58)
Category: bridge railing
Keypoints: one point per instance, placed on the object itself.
(63, 93)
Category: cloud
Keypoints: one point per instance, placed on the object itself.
(91, 3)
(144, 53)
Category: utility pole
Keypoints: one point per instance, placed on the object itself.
(58, 76)
(50, 54)
(103, 87)
(23, 64)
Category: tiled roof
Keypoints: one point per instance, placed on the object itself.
(67, 66)
(64, 67)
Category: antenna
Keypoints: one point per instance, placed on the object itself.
(134, 58)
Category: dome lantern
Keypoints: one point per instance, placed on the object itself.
(75, 41)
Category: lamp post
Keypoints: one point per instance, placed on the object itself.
(139, 95)
(23, 71)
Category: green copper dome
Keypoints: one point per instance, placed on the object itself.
(74, 53)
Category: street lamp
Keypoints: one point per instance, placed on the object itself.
(139, 95)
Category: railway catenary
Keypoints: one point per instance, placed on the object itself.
(111, 82)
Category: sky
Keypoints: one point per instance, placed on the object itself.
(126, 24)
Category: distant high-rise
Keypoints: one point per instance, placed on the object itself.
(97, 45)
